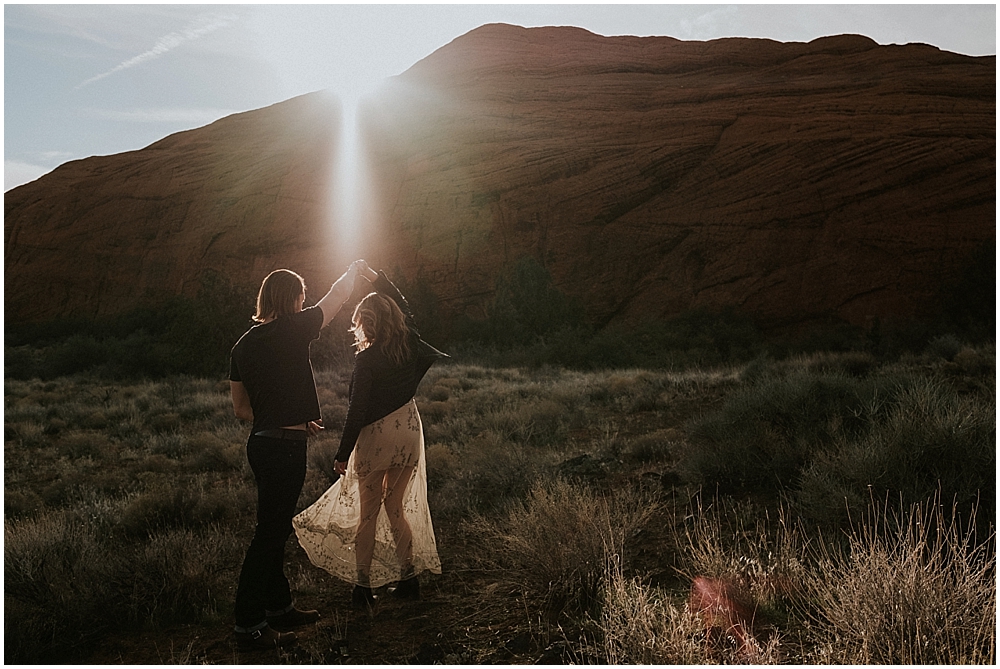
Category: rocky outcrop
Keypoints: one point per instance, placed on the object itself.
(791, 181)
(837, 179)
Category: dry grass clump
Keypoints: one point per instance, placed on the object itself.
(120, 505)
(652, 447)
(925, 437)
(746, 544)
(909, 588)
(642, 625)
(488, 476)
(904, 588)
(441, 462)
(130, 506)
(768, 431)
(824, 436)
(556, 544)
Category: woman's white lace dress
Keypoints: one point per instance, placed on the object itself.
(327, 529)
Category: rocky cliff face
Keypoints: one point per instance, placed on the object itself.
(832, 180)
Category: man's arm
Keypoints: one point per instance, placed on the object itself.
(338, 294)
(241, 401)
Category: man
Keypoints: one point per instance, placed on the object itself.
(272, 386)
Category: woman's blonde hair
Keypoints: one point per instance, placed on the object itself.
(278, 294)
(378, 321)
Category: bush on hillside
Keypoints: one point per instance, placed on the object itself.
(525, 307)
(184, 335)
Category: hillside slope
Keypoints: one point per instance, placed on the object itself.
(832, 180)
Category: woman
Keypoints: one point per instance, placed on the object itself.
(373, 526)
(272, 386)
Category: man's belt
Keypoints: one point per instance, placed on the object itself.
(281, 433)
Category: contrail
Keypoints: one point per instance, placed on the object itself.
(201, 26)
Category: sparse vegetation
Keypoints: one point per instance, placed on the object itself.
(572, 507)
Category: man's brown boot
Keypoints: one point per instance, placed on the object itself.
(292, 619)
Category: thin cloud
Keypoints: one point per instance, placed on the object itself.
(52, 157)
(17, 173)
(704, 26)
(161, 115)
(201, 26)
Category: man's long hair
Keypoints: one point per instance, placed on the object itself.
(278, 294)
(378, 321)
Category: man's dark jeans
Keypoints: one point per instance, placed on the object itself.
(280, 469)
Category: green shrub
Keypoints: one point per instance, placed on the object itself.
(21, 362)
(526, 305)
(945, 347)
(767, 433)
(190, 335)
(926, 438)
(970, 304)
(76, 354)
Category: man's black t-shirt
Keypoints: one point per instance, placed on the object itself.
(272, 362)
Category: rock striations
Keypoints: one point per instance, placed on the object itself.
(834, 180)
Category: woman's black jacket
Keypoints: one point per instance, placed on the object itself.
(379, 386)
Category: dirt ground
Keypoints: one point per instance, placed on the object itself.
(463, 617)
(445, 626)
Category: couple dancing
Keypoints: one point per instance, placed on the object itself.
(373, 526)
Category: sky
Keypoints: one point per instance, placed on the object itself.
(83, 80)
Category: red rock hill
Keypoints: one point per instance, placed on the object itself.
(834, 179)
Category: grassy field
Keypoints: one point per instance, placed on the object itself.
(850, 502)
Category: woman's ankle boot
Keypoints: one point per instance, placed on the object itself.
(362, 597)
(408, 586)
(408, 589)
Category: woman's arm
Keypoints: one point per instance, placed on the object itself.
(241, 401)
(361, 389)
(338, 294)
(383, 286)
